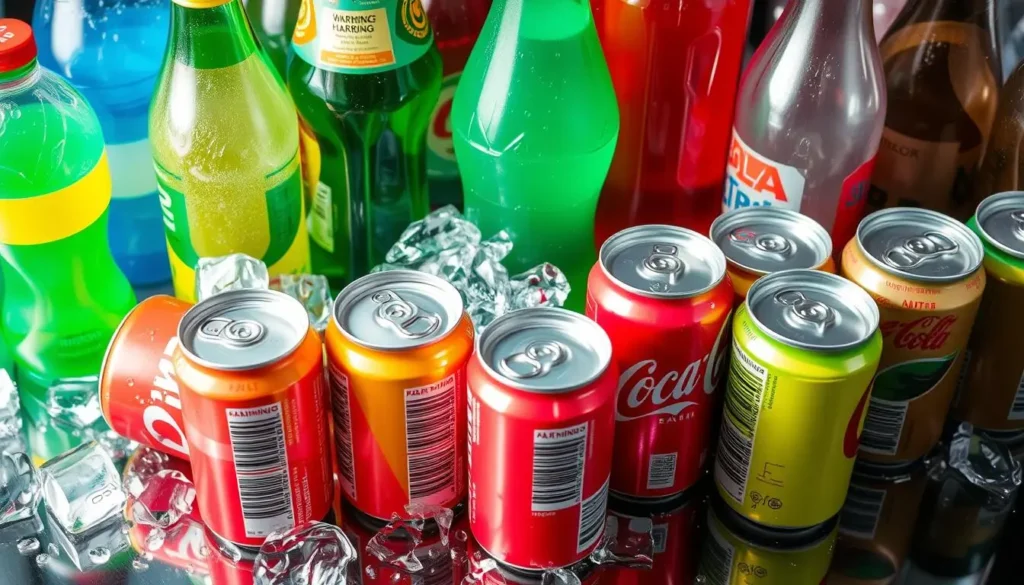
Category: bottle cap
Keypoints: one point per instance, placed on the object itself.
(17, 45)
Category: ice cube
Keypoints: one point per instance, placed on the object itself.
(92, 547)
(423, 240)
(314, 553)
(543, 285)
(166, 497)
(631, 546)
(482, 570)
(231, 272)
(75, 402)
(400, 543)
(560, 577)
(19, 497)
(82, 488)
(312, 291)
(142, 467)
(10, 410)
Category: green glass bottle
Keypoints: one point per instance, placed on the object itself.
(535, 123)
(272, 22)
(365, 78)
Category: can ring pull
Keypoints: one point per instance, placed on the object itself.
(763, 244)
(539, 358)
(1017, 217)
(805, 312)
(662, 262)
(241, 332)
(917, 250)
(403, 316)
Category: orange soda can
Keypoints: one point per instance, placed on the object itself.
(924, 271)
(762, 240)
(397, 348)
(255, 405)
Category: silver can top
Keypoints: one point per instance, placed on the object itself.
(662, 261)
(243, 329)
(1001, 222)
(544, 350)
(763, 240)
(919, 244)
(397, 309)
(812, 310)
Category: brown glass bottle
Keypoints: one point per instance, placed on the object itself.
(1002, 169)
(941, 62)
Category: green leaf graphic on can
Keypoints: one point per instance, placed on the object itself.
(908, 380)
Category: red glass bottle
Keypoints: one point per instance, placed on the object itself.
(675, 67)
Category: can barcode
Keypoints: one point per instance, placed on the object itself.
(716, 562)
(861, 511)
(592, 518)
(430, 442)
(343, 430)
(558, 458)
(883, 426)
(261, 465)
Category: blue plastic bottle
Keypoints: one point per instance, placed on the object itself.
(111, 51)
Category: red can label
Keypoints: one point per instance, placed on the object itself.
(852, 200)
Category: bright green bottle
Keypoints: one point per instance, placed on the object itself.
(535, 123)
(63, 293)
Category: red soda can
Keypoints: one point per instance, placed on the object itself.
(663, 296)
(139, 392)
(541, 424)
(256, 406)
(228, 564)
(675, 531)
(482, 572)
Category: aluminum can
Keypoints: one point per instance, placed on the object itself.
(762, 240)
(227, 564)
(877, 522)
(484, 569)
(541, 429)
(991, 394)
(924, 271)
(139, 391)
(805, 346)
(1012, 440)
(675, 531)
(739, 552)
(397, 348)
(661, 294)
(255, 404)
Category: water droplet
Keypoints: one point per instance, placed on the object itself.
(42, 559)
(99, 555)
(27, 546)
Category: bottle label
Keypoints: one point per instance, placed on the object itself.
(321, 218)
(60, 214)
(851, 204)
(441, 156)
(131, 169)
(361, 36)
(755, 181)
(911, 172)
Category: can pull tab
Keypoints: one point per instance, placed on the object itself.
(773, 245)
(402, 316)
(662, 267)
(536, 360)
(917, 250)
(239, 333)
(805, 313)
(1018, 223)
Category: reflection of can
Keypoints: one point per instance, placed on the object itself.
(805, 345)
(1012, 440)
(877, 522)
(541, 424)
(255, 404)
(739, 552)
(675, 532)
(398, 346)
(227, 564)
(484, 573)
(762, 240)
(138, 389)
(992, 386)
(924, 270)
(661, 294)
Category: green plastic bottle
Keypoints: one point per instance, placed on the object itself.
(63, 295)
(535, 123)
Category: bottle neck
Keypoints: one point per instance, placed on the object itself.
(210, 38)
(829, 16)
(18, 78)
(978, 12)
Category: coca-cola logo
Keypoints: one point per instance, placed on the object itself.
(924, 333)
(647, 390)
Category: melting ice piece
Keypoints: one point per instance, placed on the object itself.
(543, 285)
(630, 545)
(19, 497)
(231, 272)
(166, 497)
(92, 547)
(146, 463)
(82, 488)
(560, 577)
(75, 402)
(312, 291)
(400, 543)
(10, 410)
(425, 239)
(314, 553)
(483, 570)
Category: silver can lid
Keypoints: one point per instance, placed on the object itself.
(763, 240)
(812, 310)
(243, 329)
(544, 350)
(919, 244)
(397, 309)
(1001, 221)
(663, 261)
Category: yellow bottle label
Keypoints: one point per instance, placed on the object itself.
(59, 214)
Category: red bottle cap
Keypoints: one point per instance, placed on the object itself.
(17, 45)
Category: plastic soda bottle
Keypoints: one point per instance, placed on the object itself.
(675, 70)
(365, 77)
(226, 147)
(535, 124)
(111, 52)
(809, 116)
(273, 22)
(63, 294)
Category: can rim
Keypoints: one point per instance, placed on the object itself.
(630, 235)
(104, 404)
(357, 288)
(235, 297)
(926, 217)
(483, 342)
(767, 537)
(992, 204)
(532, 575)
(889, 472)
(728, 221)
